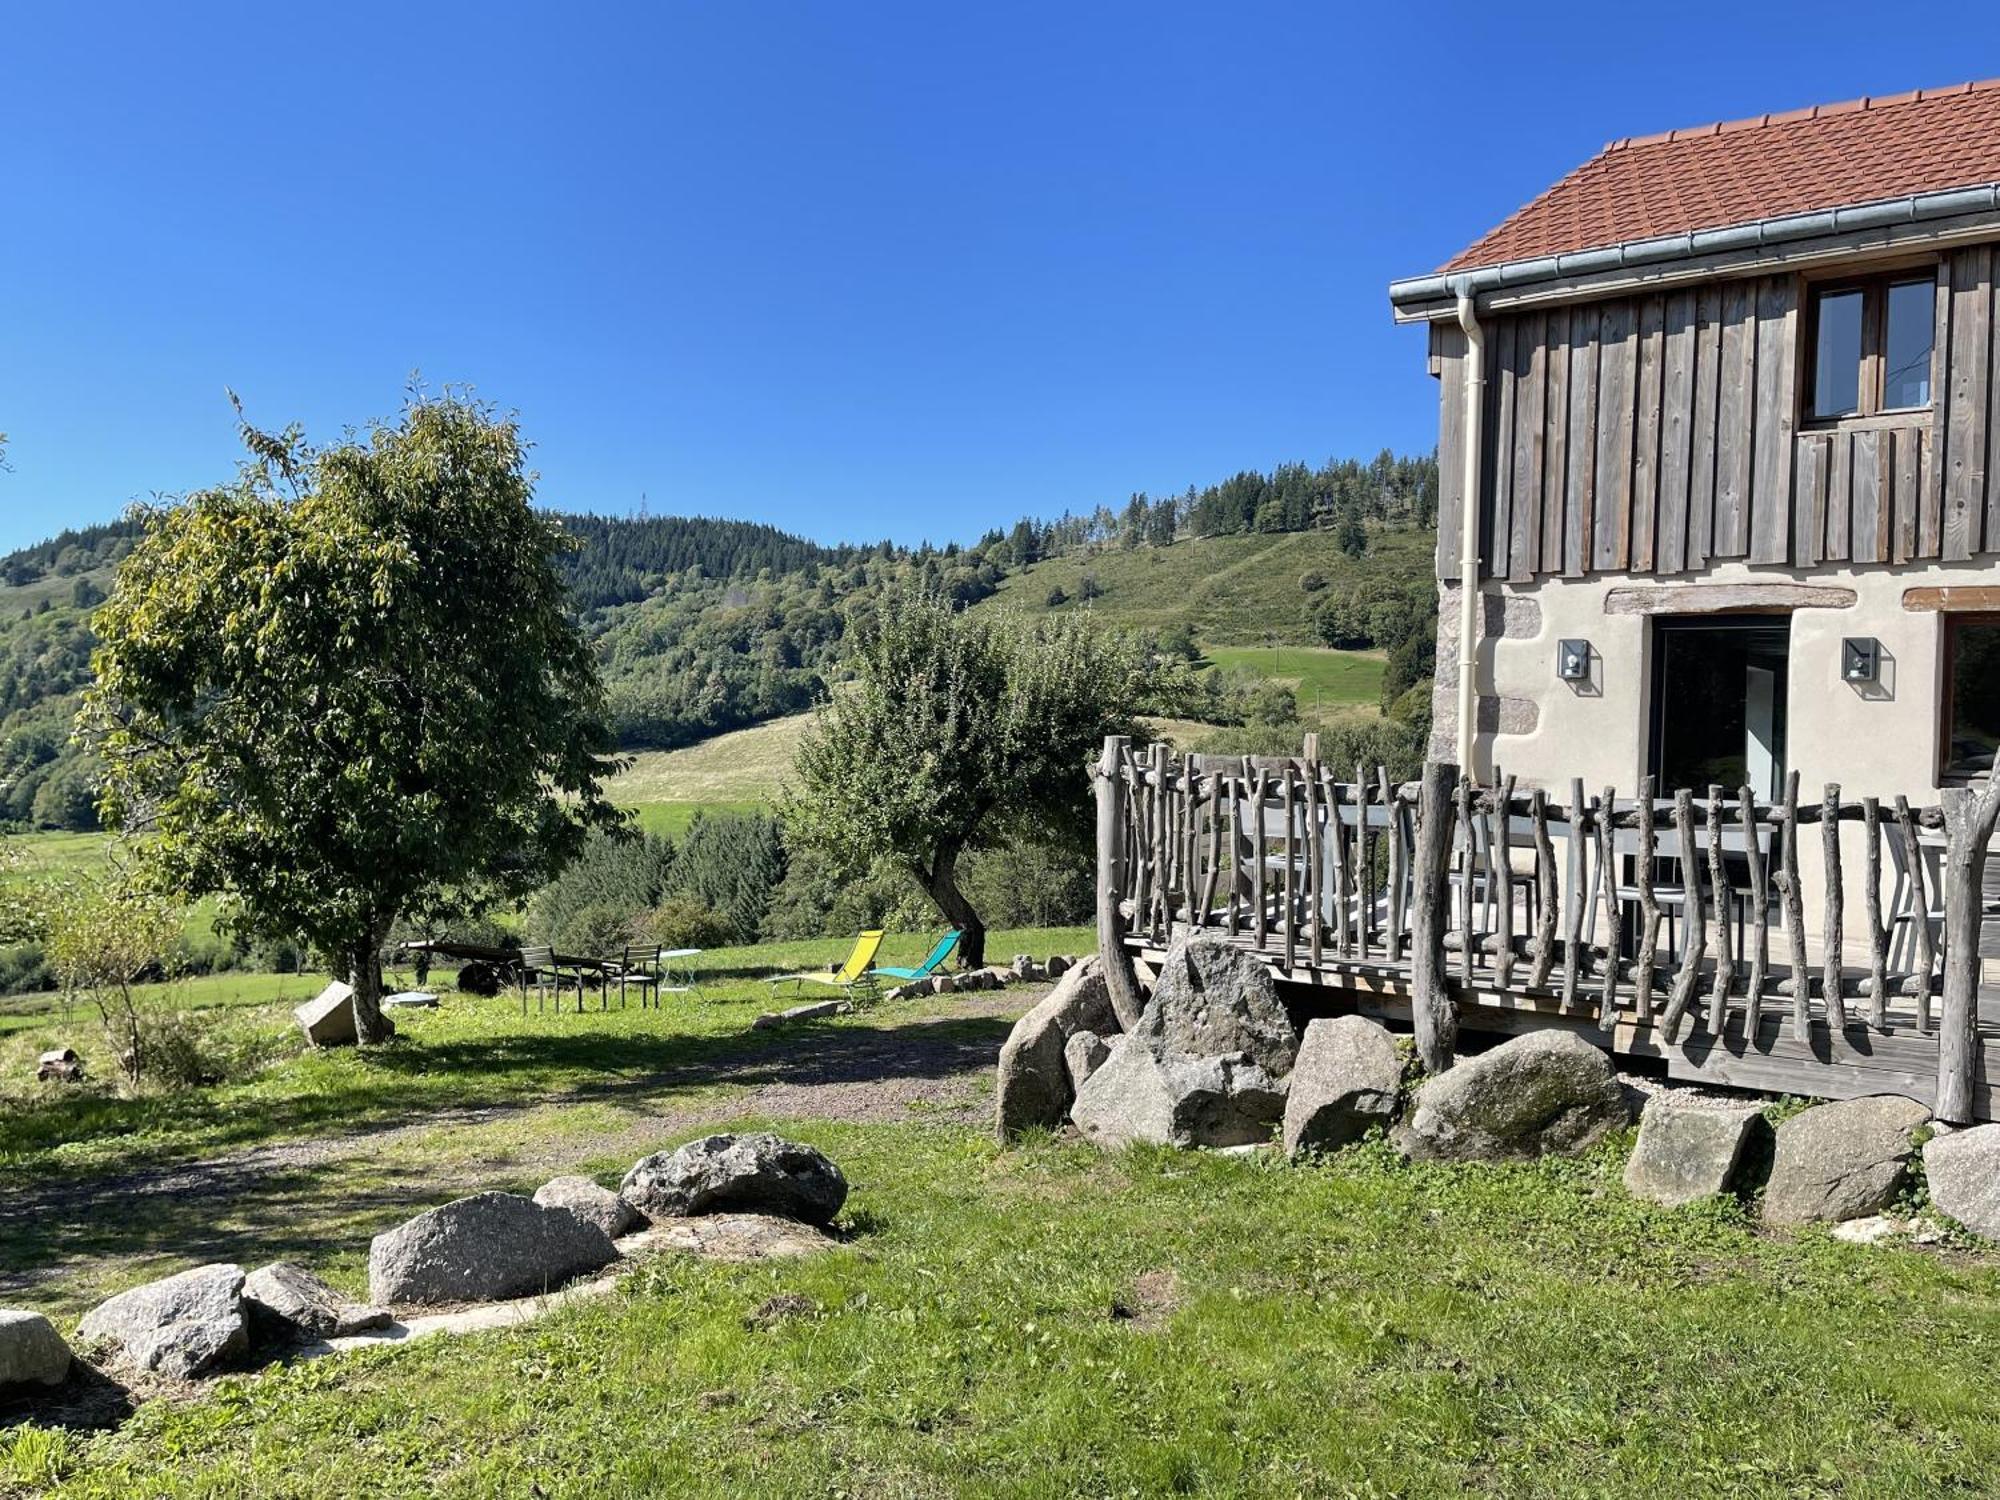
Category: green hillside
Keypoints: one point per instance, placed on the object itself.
(1228, 590)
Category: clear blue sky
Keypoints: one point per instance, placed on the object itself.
(855, 269)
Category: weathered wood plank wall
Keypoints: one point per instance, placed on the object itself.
(1660, 434)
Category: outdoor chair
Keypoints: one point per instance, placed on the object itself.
(637, 967)
(540, 967)
(855, 977)
(928, 967)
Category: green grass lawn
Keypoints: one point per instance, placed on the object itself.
(742, 767)
(468, 1054)
(1324, 679)
(1048, 1322)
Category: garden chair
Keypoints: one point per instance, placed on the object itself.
(855, 977)
(540, 968)
(928, 967)
(637, 967)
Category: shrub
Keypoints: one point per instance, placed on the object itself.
(1033, 883)
(1312, 581)
(596, 931)
(683, 922)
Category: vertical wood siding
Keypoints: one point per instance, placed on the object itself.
(1660, 433)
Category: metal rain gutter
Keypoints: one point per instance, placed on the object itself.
(1917, 208)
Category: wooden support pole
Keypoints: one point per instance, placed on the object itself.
(1502, 844)
(1832, 985)
(1315, 859)
(1795, 913)
(1431, 1007)
(1871, 894)
(1364, 863)
(1694, 940)
(1119, 977)
(1468, 943)
(1259, 843)
(1545, 891)
(1649, 905)
(1573, 895)
(1718, 886)
(1760, 915)
(1291, 870)
(1398, 857)
(1607, 880)
(1968, 819)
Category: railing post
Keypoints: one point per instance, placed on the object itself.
(1431, 1007)
(1119, 977)
(1968, 821)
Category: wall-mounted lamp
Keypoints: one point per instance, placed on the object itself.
(1860, 658)
(1573, 661)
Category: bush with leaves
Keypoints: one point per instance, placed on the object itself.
(683, 922)
(105, 938)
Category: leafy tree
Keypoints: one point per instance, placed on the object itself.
(960, 731)
(345, 688)
(104, 936)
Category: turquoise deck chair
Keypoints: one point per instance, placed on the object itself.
(930, 965)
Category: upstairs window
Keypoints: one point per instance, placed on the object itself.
(1870, 346)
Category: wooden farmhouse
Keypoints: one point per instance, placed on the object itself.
(1718, 688)
(1715, 422)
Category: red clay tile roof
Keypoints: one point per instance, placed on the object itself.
(1830, 156)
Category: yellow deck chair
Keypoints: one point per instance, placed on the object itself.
(853, 978)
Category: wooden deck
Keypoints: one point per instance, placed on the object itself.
(1899, 1059)
(1671, 929)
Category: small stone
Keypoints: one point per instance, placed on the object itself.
(1344, 1083)
(812, 1011)
(759, 1174)
(593, 1203)
(1083, 1054)
(1847, 1160)
(287, 1303)
(31, 1351)
(1876, 1229)
(181, 1326)
(1963, 1170)
(1689, 1148)
(943, 984)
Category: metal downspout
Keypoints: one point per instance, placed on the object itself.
(1468, 529)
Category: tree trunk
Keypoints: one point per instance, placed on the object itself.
(940, 883)
(371, 1027)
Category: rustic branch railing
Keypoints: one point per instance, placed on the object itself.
(1656, 911)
